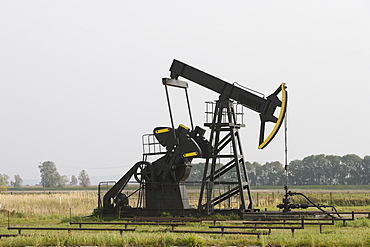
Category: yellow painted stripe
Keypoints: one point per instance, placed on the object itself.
(183, 126)
(190, 154)
(162, 130)
(280, 119)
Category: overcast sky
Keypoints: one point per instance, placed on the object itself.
(80, 81)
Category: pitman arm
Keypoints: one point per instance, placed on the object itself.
(264, 106)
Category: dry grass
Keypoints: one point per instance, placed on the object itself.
(84, 202)
(41, 204)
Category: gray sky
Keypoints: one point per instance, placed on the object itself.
(80, 81)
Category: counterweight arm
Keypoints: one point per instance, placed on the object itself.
(264, 106)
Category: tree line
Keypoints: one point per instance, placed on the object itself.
(50, 177)
(312, 170)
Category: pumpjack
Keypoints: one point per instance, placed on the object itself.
(162, 185)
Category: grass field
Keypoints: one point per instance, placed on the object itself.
(53, 209)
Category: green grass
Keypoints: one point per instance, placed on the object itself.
(356, 235)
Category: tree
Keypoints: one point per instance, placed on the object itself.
(4, 182)
(296, 172)
(254, 172)
(354, 169)
(196, 172)
(49, 174)
(330, 169)
(63, 180)
(84, 178)
(366, 165)
(273, 173)
(74, 180)
(17, 181)
(333, 171)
